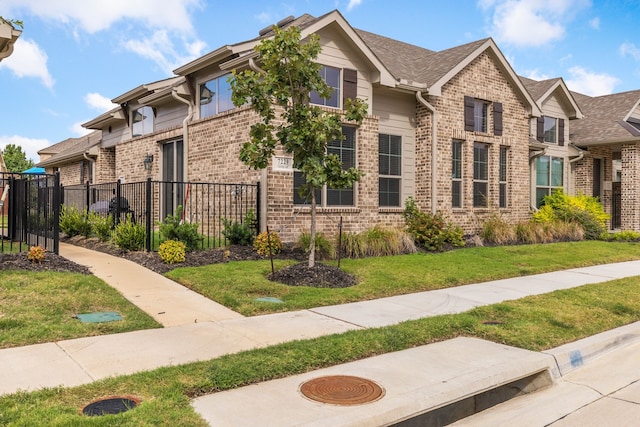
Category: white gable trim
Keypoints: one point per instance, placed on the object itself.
(577, 113)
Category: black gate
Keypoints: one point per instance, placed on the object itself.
(616, 205)
(29, 211)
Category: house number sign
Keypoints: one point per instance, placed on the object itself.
(282, 164)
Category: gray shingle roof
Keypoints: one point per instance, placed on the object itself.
(538, 88)
(74, 148)
(602, 117)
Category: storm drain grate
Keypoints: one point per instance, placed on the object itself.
(342, 390)
(110, 405)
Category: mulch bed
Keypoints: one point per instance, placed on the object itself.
(299, 274)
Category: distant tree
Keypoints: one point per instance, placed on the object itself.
(280, 92)
(16, 159)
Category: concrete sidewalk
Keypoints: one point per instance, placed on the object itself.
(201, 329)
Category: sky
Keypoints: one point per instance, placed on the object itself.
(74, 56)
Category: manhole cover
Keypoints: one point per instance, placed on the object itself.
(342, 390)
(110, 405)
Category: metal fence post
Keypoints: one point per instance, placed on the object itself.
(57, 190)
(148, 215)
(258, 207)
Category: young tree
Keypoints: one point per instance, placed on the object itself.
(279, 91)
(16, 159)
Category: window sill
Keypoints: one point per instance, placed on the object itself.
(329, 209)
(391, 209)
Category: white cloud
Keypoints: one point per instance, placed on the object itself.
(95, 16)
(595, 23)
(160, 49)
(99, 102)
(536, 75)
(353, 3)
(28, 60)
(590, 83)
(629, 49)
(78, 130)
(30, 146)
(526, 23)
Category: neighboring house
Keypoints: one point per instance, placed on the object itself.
(553, 155)
(74, 158)
(610, 134)
(456, 129)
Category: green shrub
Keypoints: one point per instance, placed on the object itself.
(129, 236)
(584, 210)
(268, 244)
(325, 248)
(73, 222)
(172, 251)
(377, 241)
(624, 236)
(498, 231)
(240, 233)
(431, 231)
(101, 226)
(173, 228)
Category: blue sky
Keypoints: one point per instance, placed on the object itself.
(74, 56)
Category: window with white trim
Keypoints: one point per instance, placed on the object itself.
(389, 169)
(345, 149)
(141, 121)
(331, 76)
(215, 96)
(549, 176)
(456, 173)
(502, 176)
(480, 175)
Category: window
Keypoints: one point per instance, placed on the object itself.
(476, 115)
(215, 97)
(550, 130)
(389, 169)
(330, 75)
(502, 178)
(549, 176)
(456, 174)
(480, 174)
(142, 121)
(346, 151)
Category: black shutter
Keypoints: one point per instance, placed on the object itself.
(468, 113)
(561, 132)
(540, 129)
(497, 118)
(349, 85)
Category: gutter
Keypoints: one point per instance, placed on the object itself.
(434, 150)
(185, 132)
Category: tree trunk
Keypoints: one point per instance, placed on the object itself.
(312, 234)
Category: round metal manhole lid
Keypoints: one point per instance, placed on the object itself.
(342, 390)
(110, 405)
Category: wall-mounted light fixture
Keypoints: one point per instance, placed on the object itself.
(147, 162)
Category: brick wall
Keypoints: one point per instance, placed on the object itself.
(481, 79)
(584, 178)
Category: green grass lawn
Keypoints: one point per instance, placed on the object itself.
(37, 307)
(535, 323)
(238, 284)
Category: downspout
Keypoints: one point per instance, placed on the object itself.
(93, 166)
(185, 133)
(434, 150)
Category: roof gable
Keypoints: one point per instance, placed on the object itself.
(544, 89)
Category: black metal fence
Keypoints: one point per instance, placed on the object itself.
(29, 211)
(149, 202)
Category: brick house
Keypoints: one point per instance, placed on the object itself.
(454, 129)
